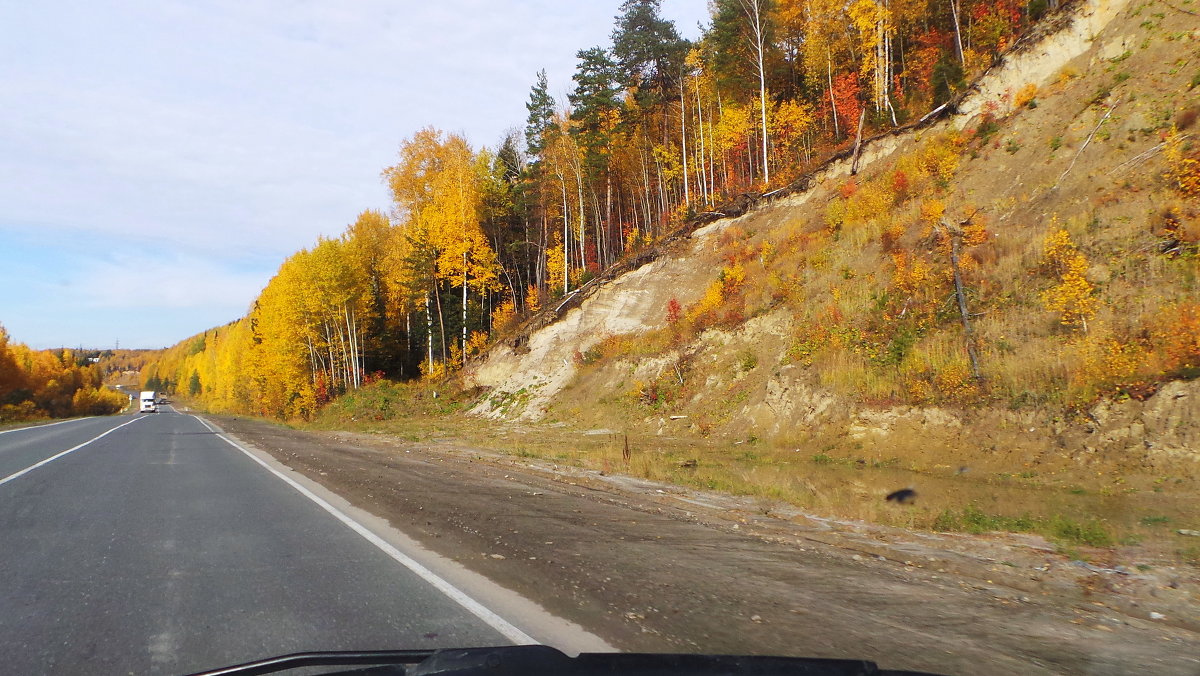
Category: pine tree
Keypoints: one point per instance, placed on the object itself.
(595, 107)
(541, 116)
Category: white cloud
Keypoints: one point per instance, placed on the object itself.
(129, 281)
(230, 133)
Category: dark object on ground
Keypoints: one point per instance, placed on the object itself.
(903, 496)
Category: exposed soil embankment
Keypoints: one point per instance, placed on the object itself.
(658, 568)
(817, 350)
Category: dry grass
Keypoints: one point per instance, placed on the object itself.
(836, 482)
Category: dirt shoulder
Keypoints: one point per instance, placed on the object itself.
(652, 567)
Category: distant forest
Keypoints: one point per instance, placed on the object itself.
(52, 383)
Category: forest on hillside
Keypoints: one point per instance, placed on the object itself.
(657, 129)
(38, 384)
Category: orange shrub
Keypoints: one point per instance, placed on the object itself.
(1183, 168)
(1178, 337)
(1025, 95)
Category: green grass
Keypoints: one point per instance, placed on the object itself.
(1059, 528)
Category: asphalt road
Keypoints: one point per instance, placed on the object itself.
(160, 548)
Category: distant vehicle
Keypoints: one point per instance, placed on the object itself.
(163, 400)
(148, 405)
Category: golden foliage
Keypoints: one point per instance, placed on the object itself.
(477, 342)
(940, 156)
(556, 264)
(932, 210)
(503, 315)
(1104, 364)
(1073, 297)
(1183, 168)
(955, 382)
(533, 300)
(50, 383)
(713, 296)
(911, 273)
(1024, 95)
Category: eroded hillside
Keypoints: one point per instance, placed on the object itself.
(829, 320)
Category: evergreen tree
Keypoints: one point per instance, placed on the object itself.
(648, 50)
(594, 106)
(541, 115)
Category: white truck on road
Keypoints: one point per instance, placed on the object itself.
(149, 402)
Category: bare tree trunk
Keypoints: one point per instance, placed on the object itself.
(332, 359)
(753, 10)
(832, 101)
(566, 238)
(955, 240)
(429, 330)
(954, 5)
(687, 193)
(862, 117)
(437, 299)
(353, 347)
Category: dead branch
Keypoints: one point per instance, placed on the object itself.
(1085, 144)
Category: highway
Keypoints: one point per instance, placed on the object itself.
(149, 544)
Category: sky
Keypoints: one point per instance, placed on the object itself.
(160, 158)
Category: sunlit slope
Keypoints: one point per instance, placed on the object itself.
(1066, 191)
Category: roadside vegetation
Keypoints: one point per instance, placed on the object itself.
(1082, 514)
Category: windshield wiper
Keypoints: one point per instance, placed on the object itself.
(536, 660)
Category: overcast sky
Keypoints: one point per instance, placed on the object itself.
(159, 159)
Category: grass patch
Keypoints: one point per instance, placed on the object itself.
(1061, 529)
(388, 400)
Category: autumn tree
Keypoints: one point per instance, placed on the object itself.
(1072, 296)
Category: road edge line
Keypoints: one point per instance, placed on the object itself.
(27, 470)
(40, 427)
(489, 617)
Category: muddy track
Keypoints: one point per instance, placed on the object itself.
(652, 575)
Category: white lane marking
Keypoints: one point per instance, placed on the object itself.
(16, 475)
(471, 605)
(40, 427)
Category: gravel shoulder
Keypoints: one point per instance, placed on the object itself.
(653, 567)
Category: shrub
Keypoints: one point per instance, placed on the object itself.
(1025, 95)
(673, 311)
(1178, 337)
(1183, 167)
(1073, 296)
